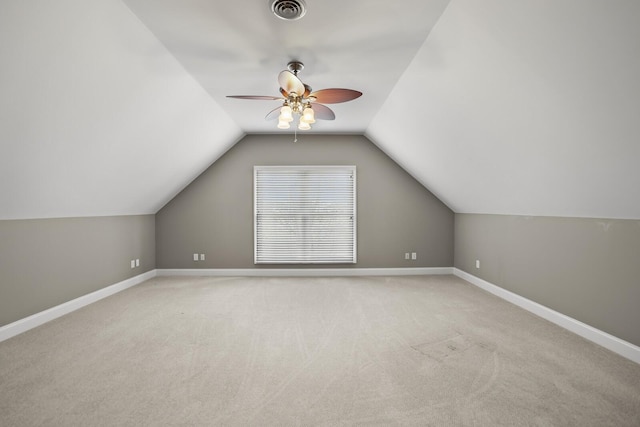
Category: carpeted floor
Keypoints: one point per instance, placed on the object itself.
(430, 350)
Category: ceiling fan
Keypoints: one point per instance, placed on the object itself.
(298, 99)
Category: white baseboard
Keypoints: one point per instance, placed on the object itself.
(23, 325)
(305, 272)
(617, 345)
(608, 341)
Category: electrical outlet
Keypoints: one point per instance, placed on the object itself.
(414, 255)
(195, 257)
(201, 257)
(133, 263)
(406, 255)
(477, 263)
(137, 262)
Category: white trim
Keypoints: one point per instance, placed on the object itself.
(608, 341)
(306, 272)
(316, 194)
(23, 325)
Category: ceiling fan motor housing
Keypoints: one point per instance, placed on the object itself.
(289, 10)
(295, 66)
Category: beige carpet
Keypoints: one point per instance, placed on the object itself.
(311, 351)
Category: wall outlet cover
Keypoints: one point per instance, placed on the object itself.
(195, 257)
(201, 257)
(133, 263)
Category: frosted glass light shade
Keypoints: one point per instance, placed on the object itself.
(286, 115)
(304, 125)
(283, 124)
(308, 116)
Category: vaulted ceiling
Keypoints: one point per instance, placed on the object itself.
(522, 107)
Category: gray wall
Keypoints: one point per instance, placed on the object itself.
(588, 269)
(214, 214)
(46, 262)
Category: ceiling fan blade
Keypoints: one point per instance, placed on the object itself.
(322, 112)
(335, 95)
(259, 98)
(307, 91)
(290, 82)
(273, 114)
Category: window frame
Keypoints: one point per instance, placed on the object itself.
(292, 168)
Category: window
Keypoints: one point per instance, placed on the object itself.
(304, 214)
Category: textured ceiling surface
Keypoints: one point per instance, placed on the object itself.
(521, 107)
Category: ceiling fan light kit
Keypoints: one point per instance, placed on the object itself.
(298, 99)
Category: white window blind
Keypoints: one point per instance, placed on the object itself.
(305, 214)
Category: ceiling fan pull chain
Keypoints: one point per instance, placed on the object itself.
(295, 134)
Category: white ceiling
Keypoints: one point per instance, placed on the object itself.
(97, 117)
(508, 107)
(239, 47)
(526, 107)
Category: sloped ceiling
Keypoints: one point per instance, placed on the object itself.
(97, 118)
(523, 107)
(508, 107)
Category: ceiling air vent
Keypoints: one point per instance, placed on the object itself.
(289, 10)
